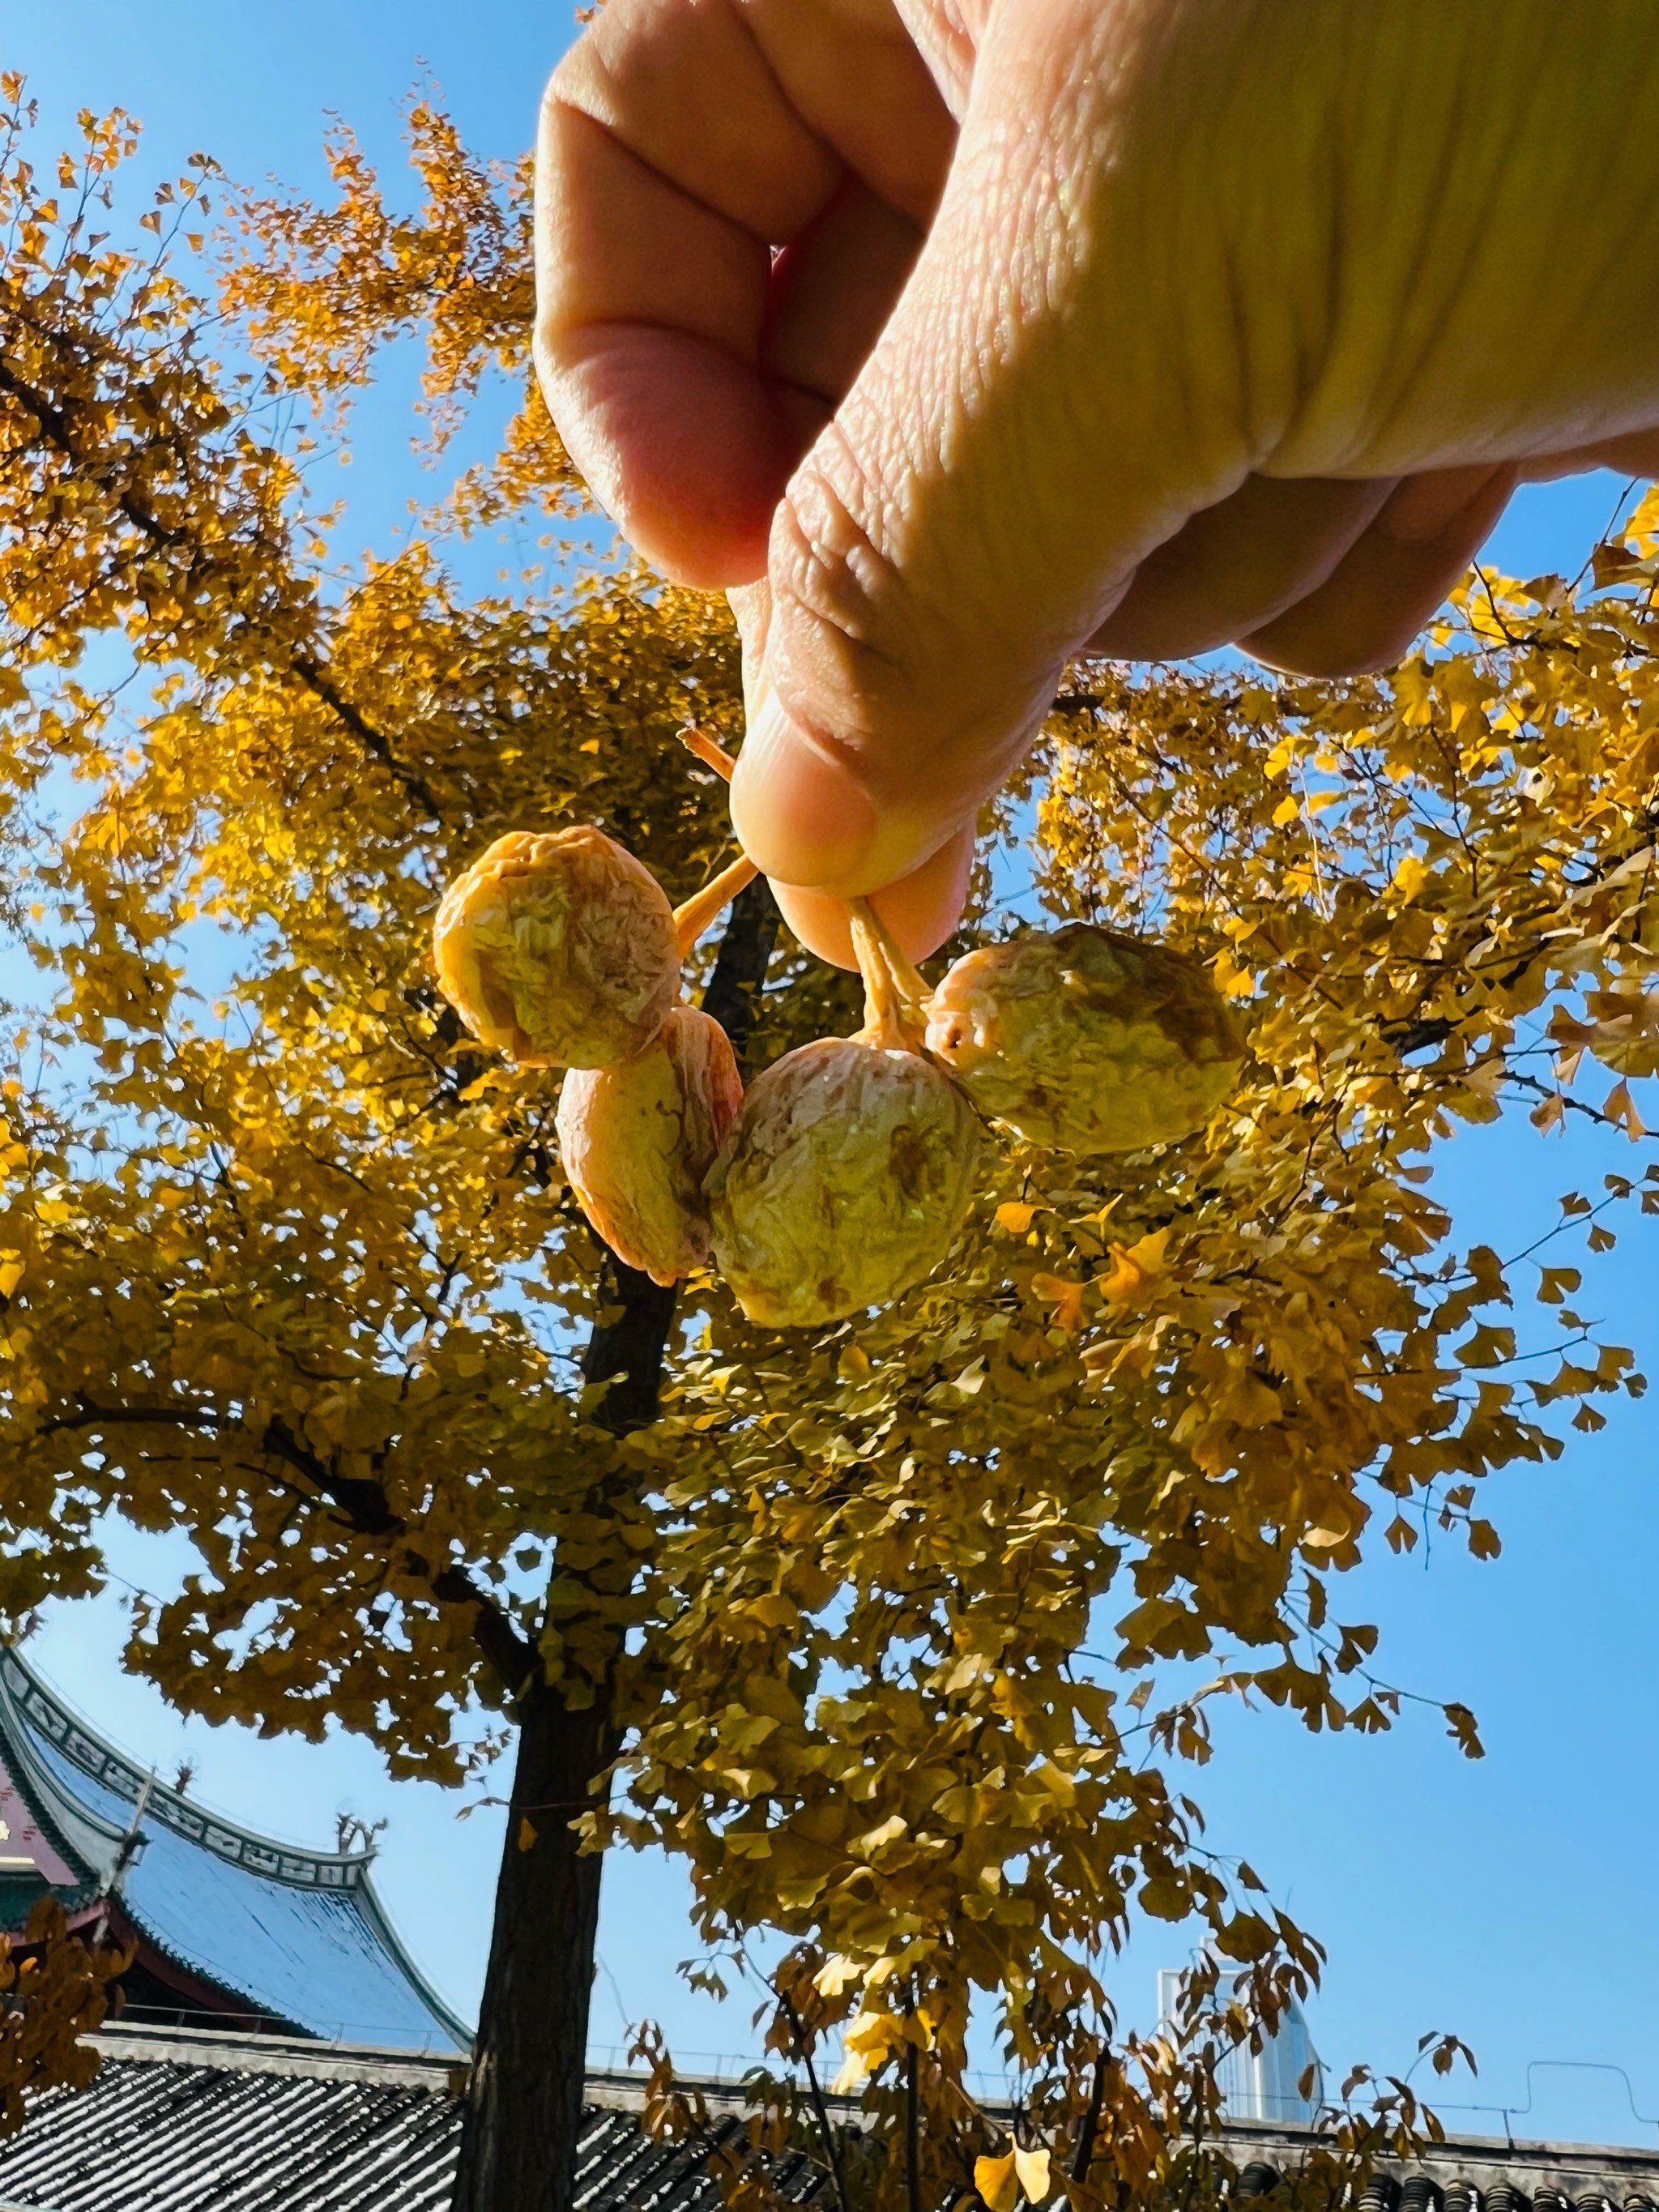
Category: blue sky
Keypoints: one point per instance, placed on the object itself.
(1508, 1900)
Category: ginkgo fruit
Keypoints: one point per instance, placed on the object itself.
(849, 1170)
(638, 1138)
(1084, 1040)
(559, 949)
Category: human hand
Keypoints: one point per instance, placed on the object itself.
(1146, 326)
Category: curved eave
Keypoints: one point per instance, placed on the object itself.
(83, 1838)
(370, 1905)
(46, 1745)
(78, 1906)
(195, 1989)
(33, 1711)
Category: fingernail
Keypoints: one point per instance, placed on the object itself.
(800, 816)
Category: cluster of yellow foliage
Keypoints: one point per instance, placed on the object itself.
(55, 1989)
(288, 1260)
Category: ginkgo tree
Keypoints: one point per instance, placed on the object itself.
(872, 1627)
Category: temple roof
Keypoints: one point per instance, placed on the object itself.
(296, 1938)
(182, 2123)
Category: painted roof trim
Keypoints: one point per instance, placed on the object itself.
(29, 1700)
(82, 1838)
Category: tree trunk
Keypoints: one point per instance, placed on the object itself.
(524, 2096)
(524, 2102)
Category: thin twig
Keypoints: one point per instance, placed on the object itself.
(894, 995)
(692, 919)
(708, 751)
(1082, 2157)
(831, 2147)
(913, 2129)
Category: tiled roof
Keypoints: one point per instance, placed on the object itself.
(1466, 2173)
(210, 2123)
(177, 2122)
(296, 1937)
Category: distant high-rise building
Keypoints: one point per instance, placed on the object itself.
(1266, 2085)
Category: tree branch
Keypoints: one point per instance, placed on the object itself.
(831, 2147)
(318, 681)
(513, 1656)
(741, 965)
(169, 538)
(362, 1501)
(912, 2128)
(360, 1504)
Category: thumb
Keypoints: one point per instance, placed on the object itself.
(1017, 442)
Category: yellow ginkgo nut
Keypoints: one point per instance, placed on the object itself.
(844, 1181)
(1087, 1040)
(559, 949)
(638, 1138)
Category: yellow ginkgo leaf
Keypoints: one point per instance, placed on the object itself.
(1032, 2168)
(854, 2072)
(1015, 1215)
(997, 2180)
(1065, 1298)
(1134, 1266)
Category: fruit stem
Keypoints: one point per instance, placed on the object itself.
(911, 983)
(707, 750)
(699, 909)
(694, 916)
(894, 994)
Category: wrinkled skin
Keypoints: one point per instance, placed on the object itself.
(844, 1181)
(1086, 1041)
(637, 1140)
(1142, 325)
(559, 950)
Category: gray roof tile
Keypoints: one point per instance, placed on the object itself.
(183, 2122)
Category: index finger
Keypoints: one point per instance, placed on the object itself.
(680, 144)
